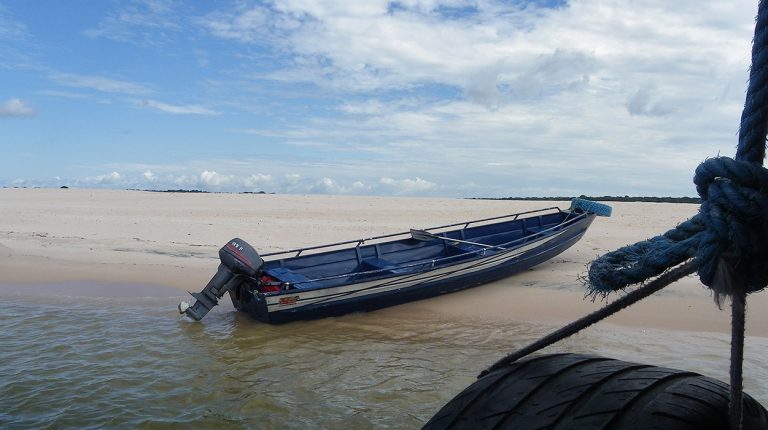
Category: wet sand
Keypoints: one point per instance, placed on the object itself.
(132, 238)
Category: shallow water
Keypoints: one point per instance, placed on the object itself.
(97, 359)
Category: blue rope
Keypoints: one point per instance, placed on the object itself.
(728, 236)
(753, 118)
(726, 242)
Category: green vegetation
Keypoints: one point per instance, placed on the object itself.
(203, 191)
(695, 200)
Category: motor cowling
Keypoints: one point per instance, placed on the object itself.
(238, 258)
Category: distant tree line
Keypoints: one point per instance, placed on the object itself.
(695, 200)
(201, 191)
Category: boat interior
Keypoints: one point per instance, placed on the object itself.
(403, 253)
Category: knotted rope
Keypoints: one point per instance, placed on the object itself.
(726, 242)
(727, 238)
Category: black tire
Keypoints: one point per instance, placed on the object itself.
(596, 208)
(574, 391)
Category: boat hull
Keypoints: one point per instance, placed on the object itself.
(397, 289)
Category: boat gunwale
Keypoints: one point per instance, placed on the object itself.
(358, 242)
(440, 262)
(398, 282)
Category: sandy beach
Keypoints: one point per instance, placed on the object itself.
(126, 238)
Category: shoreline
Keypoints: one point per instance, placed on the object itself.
(501, 303)
(128, 238)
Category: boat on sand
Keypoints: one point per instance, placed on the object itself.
(377, 272)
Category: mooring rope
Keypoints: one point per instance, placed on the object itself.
(738, 314)
(725, 242)
(597, 316)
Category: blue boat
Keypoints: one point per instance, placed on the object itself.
(377, 272)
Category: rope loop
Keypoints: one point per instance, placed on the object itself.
(728, 237)
(634, 264)
(732, 249)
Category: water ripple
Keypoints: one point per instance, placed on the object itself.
(74, 362)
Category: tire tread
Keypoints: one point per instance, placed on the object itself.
(577, 391)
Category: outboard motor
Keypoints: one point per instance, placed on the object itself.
(237, 259)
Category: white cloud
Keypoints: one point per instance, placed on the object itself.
(235, 176)
(349, 45)
(360, 187)
(515, 95)
(352, 97)
(499, 54)
(213, 179)
(134, 22)
(10, 28)
(244, 26)
(179, 109)
(113, 178)
(327, 185)
(257, 180)
(647, 101)
(292, 178)
(99, 83)
(63, 94)
(15, 108)
(407, 186)
(185, 181)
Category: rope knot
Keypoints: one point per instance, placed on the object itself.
(733, 248)
(728, 237)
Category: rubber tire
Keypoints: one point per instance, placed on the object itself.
(574, 391)
(596, 208)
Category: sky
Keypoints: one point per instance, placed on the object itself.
(447, 98)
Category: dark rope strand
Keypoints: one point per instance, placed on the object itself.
(738, 314)
(753, 126)
(630, 298)
(726, 238)
(752, 133)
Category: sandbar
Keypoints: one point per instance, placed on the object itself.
(126, 237)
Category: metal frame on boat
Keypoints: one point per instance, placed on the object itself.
(372, 273)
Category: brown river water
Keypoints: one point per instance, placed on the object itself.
(84, 357)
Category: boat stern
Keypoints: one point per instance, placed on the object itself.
(239, 261)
